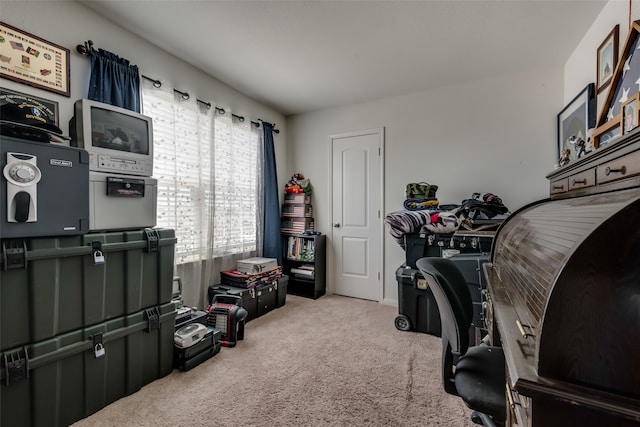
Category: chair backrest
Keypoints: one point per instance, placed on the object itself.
(452, 295)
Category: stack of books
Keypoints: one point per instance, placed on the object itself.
(303, 272)
(297, 214)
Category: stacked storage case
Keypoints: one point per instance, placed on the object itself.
(257, 300)
(419, 245)
(418, 310)
(84, 321)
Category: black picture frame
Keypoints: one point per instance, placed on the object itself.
(576, 119)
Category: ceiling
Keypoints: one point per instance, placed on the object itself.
(301, 56)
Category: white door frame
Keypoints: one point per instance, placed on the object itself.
(330, 253)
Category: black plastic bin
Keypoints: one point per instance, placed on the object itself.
(417, 306)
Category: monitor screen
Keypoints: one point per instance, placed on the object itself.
(117, 131)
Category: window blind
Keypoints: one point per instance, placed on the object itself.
(208, 182)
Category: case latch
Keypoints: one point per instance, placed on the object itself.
(152, 239)
(96, 250)
(16, 366)
(153, 319)
(98, 345)
(14, 254)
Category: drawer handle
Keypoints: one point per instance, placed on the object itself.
(558, 187)
(521, 327)
(582, 181)
(622, 170)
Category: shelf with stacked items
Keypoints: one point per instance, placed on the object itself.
(257, 281)
(297, 214)
(304, 261)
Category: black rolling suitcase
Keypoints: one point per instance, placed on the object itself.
(417, 307)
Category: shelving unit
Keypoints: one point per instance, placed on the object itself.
(304, 261)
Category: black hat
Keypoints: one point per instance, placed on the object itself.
(25, 113)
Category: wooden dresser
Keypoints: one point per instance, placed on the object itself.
(564, 295)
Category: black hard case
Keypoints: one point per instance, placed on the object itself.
(257, 300)
(186, 358)
(281, 290)
(416, 302)
(419, 245)
(266, 298)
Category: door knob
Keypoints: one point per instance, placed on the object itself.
(336, 225)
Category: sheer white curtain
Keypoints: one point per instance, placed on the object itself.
(214, 209)
(238, 188)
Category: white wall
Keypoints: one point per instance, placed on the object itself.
(67, 23)
(496, 135)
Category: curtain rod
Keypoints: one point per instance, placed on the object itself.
(87, 49)
(185, 96)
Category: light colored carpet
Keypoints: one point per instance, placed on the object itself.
(334, 361)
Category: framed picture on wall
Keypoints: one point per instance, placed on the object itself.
(33, 61)
(574, 122)
(607, 59)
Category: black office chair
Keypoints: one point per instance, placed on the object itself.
(476, 374)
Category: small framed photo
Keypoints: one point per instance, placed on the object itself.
(607, 59)
(33, 61)
(574, 122)
(8, 96)
(630, 114)
(608, 132)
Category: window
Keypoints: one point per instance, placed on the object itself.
(237, 186)
(208, 172)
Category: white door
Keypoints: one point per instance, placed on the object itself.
(356, 218)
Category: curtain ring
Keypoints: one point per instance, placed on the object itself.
(184, 95)
(206, 104)
(156, 83)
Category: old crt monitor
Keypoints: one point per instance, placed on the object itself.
(118, 140)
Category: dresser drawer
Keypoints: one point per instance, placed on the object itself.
(559, 186)
(622, 167)
(582, 180)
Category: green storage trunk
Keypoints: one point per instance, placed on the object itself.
(59, 381)
(49, 286)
